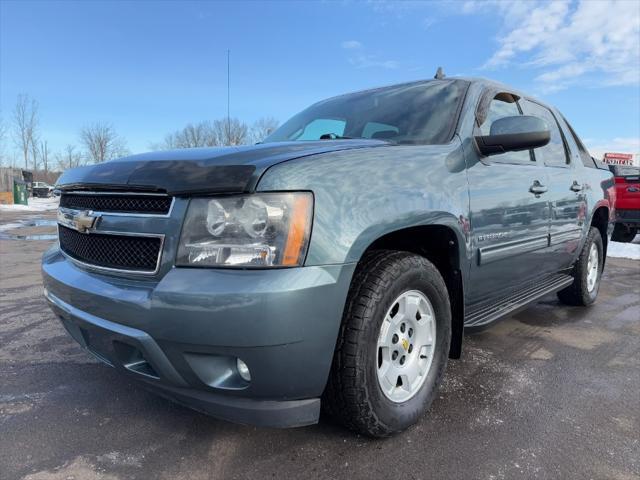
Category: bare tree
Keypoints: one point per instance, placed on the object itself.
(262, 128)
(198, 135)
(193, 135)
(168, 143)
(69, 158)
(102, 142)
(202, 134)
(207, 134)
(44, 155)
(230, 132)
(25, 119)
(3, 139)
(33, 148)
(120, 149)
(35, 152)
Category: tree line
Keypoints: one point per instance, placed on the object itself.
(221, 132)
(99, 141)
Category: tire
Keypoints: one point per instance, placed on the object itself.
(354, 394)
(622, 233)
(579, 293)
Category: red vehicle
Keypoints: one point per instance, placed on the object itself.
(627, 202)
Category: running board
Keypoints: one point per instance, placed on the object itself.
(489, 312)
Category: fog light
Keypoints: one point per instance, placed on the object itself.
(243, 370)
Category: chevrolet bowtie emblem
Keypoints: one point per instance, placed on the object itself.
(81, 221)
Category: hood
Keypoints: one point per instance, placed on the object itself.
(199, 170)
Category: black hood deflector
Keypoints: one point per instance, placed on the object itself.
(198, 170)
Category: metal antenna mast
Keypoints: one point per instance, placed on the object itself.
(228, 98)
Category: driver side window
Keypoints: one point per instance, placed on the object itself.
(504, 105)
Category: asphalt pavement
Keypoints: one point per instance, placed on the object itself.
(551, 393)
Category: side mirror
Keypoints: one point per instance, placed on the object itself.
(512, 134)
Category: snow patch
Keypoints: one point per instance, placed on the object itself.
(625, 250)
(10, 226)
(35, 205)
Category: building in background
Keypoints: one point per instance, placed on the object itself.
(622, 159)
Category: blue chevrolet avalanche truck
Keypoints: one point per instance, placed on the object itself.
(338, 262)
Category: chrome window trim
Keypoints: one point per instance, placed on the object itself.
(99, 268)
(123, 214)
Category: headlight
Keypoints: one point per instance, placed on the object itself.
(257, 230)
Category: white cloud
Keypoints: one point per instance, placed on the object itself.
(588, 41)
(351, 45)
(361, 59)
(428, 22)
(367, 61)
(597, 148)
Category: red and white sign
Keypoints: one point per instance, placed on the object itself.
(618, 159)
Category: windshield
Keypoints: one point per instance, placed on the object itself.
(415, 114)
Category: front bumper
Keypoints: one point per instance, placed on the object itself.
(181, 334)
(629, 217)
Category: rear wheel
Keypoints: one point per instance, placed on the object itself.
(622, 233)
(587, 272)
(393, 345)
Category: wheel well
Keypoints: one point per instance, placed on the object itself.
(600, 220)
(439, 245)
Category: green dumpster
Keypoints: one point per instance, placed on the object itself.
(20, 193)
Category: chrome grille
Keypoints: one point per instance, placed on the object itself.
(152, 204)
(112, 251)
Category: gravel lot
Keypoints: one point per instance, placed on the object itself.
(553, 392)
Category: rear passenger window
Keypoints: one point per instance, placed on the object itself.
(554, 154)
(504, 105)
(585, 156)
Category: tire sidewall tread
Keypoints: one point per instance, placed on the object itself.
(578, 294)
(353, 391)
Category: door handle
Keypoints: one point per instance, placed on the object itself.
(537, 188)
(576, 187)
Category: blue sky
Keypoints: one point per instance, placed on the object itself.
(151, 67)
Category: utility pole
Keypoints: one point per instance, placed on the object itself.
(228, 98)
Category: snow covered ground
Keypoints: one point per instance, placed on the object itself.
(625, 250)
(35, 205)
(10, 226)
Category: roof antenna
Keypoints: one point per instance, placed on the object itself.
(228, 142)
(439, 74)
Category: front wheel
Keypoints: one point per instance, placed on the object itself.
(393, 345)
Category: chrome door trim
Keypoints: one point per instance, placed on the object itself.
(504, 250)
(566, 236)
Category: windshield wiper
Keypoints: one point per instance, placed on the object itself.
(334, 136)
